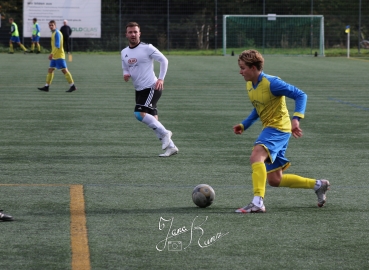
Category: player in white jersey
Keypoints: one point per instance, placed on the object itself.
(138, 64)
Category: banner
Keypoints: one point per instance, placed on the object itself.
(83, 16)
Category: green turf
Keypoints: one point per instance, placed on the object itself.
(91, 137)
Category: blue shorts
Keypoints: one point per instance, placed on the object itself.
(35, 38)
(275, 143)
(15, 39)
(58, 63)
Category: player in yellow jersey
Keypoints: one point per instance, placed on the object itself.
(15, 37)
(35, 36)
(267, 95)
(57, 59)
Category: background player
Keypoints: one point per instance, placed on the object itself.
(57, 59)
(138, 64)
(35, 36)
(267, 95)
(14, 37)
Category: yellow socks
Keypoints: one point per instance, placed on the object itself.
(49, 78)
(11, 48)
(69, 78)
(38, 47)
(32, 47)
(259, 176)
(295, 181)
(23, 48)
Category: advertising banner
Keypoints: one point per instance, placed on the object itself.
(83, 16)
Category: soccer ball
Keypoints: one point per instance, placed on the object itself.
(203, 195)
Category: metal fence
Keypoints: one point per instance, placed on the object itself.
(197, 25)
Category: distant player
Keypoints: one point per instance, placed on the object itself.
(267, 95)
(138, 64)
(35, 36)
(15, 37)
(57, 59)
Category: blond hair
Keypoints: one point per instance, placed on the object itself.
(252, 58)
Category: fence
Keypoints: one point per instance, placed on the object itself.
(197, 25)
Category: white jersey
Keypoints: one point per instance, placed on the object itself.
(138, 62)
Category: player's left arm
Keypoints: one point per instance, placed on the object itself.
(56, 47)
(158, 56)
(37, 29)
(281, 88)
(57, 40)
(278, 88)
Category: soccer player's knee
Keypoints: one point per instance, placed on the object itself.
(274, 182)
(138, 116)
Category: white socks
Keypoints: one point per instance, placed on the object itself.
(258, 201)
(158, 128)
(154, 124)
(318, 184)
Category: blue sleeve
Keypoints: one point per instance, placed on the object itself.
(57, 39)
(38, 29)
(247, 122)
(279, 87)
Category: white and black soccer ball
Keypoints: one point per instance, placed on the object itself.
(203, 195)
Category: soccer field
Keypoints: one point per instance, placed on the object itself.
(84, 182)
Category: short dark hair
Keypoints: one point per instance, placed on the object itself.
(133, 24)
(35, 19)
(52, 21)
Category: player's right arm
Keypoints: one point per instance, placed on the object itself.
(126, 74)
(246, 123)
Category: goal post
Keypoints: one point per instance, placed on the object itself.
(274, 34)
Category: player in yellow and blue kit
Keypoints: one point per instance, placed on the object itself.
(57, 59)
(15, 37)
(35, 36)
(267, 94)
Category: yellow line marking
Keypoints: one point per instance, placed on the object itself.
(35, 185)
(78, 229)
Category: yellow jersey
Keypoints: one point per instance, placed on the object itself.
(57, 49)
(268, 99)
